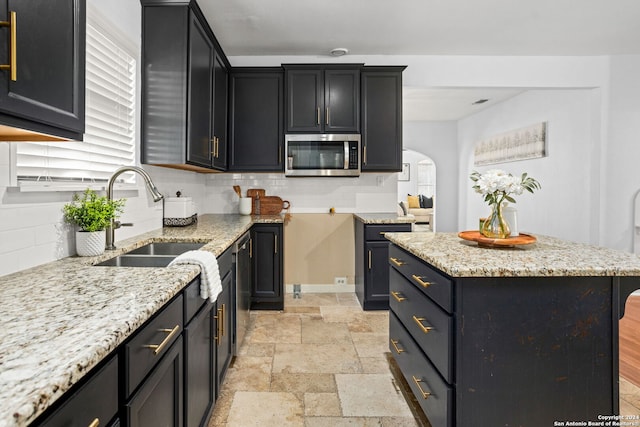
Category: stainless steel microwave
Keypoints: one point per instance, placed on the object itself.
(322, 155)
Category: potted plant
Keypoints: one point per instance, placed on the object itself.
(92, 214)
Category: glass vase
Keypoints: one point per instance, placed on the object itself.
(495, 226)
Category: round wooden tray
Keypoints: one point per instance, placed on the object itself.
(509, 242)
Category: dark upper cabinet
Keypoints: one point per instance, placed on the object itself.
(381, 119)
(184, 89)
(322, 98)
(220, 108)
(256, 119)
(267, 285)
(43, 85)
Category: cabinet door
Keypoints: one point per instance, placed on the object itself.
(342, 100)
(224, 330)
(200, 69)
(221, 81)
(158, 402)
(48, 88)
(377, 272)
(305, 100)
(256, 131)
(267, 267)
(382, 119)
(199, 389)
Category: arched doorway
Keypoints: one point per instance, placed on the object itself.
(418, 178)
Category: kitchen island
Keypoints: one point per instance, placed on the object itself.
(63, 318)
(522, 336)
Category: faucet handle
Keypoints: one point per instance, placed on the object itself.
(118, 224)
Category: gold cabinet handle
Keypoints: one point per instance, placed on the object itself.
(222, 321)
(419, 321)
(250, 248)
(157, 348)
(397, 297)
(12, 66)
(218, 337)
(318, 116)
(396, 348)
(397, 262)
(421, 282)
(369, 258)
(425, 394)
(364, 155)
(94, 423)
(326, 118)
(275, 244)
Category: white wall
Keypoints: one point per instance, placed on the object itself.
(565, 206)
(438, 140)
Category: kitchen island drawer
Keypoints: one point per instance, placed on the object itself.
(431, 282)
(151, 342)
(434, 396)
(376, 231)
(427, 323)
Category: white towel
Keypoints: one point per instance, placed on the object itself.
(210, 283)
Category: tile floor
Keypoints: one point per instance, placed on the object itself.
(320, 362)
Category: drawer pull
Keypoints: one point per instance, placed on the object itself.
(397, 262)
(218, 337)
(419, 321)
(95, 423)
(421, 282)
(398, 298)
(157, 348)
(395, 347)
(222, 321)
(425, 394)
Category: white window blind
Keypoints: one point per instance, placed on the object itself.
(109, 139)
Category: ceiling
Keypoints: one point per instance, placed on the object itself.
(428, 27)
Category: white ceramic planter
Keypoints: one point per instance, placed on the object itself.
(245, 205)
(90, 243)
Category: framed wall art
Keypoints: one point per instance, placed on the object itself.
(521, 144)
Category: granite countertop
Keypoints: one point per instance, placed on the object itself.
(383, 218)
(61, 319)
(549, 256)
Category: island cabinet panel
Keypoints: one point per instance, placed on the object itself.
(498, 351)
(43, 89)
(256, 119)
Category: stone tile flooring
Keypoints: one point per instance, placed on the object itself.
(320, 362)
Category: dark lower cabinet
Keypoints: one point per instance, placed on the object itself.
(44, 89)
(94, 401)
(381, 119)
(159, 400)
(267, 285)
(372, 263)
(256, 119)
(199, 389)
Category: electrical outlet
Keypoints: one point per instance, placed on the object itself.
(340, 280)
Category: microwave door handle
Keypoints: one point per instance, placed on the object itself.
(346, 155)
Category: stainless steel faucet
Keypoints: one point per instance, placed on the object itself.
(157, 196)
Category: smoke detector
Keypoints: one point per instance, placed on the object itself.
(339, 51)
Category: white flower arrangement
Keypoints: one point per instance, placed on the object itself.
(497, 185)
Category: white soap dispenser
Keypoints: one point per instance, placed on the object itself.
(510, 214)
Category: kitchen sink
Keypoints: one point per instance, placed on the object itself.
(166, 248)
(127, 260)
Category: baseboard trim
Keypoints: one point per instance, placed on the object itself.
(318, 289)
